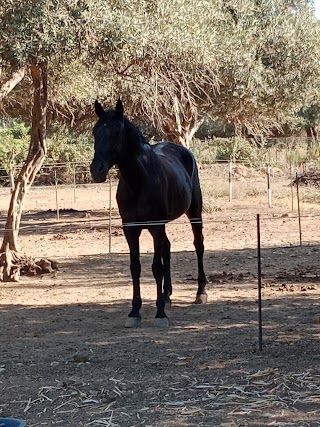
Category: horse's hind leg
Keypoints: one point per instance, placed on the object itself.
(194, 214)
(166, 255)
(159, 240)
(132, 235)
(196, 224)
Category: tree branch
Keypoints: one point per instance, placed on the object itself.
(10, 84)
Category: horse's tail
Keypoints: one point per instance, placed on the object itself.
(195, 170)
(195, 210)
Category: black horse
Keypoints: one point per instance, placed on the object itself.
(158, 183)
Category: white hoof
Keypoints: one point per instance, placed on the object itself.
(201, 299)
(161, 322)
(133, 322)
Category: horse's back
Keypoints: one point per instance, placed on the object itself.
(177, 156)
(182, 163)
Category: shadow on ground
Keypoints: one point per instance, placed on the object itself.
(70, 221)
(76, 365)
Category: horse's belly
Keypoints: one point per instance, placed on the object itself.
(178, 203)
(153, 209)
(168, 199)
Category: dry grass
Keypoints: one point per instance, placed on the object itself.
(256, 394)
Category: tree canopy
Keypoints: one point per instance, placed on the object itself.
(253, 63)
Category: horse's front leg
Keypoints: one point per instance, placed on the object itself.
(159, 239)
(132, 235)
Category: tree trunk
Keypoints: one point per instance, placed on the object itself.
(11, 259)
(314, 130)
(309, 138)
(180, 126)
(184, 135)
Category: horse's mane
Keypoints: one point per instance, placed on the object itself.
(134, 132)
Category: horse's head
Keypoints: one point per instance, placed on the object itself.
(108, 135)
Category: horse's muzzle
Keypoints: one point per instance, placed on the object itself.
(99, 171)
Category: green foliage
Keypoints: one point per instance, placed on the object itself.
(14, 143)
(33, 31)
(310, 114)
(214, 128)
(297, 156)
(263, 81)
(294, 153)
(65, 146)
(225, 149)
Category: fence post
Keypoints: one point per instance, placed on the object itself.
(291, 186)
(259, 283)
(56, 191)
(269, 186)
(299, 213)
(74, 183)
(230, 180)
(110, 215)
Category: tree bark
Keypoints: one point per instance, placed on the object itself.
(10, 84)
(184, 136)
(314, 130)
(11, 259)
(180, 126)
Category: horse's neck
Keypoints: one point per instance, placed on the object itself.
(134, 159)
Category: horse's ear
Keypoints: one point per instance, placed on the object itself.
(119, 108)
(98, 108)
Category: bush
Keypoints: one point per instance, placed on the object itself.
(14, 143)
(214, 128)
(67, 146)
(64, 146)
(67, 150)
(225, 149)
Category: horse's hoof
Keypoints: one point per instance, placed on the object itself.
(201, 299)
(161, 322)
(133, 322)
(168, 302)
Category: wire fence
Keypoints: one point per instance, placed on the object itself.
(69, 190)
(232, 193)
(286, 152)
(64, 186)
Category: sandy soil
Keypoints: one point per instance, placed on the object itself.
(67, 360)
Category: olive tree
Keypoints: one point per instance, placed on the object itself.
(252, 63)
(175, 63)
(274, 66)
(170, 73)
(35, 36)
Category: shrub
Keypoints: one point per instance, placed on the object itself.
(225, 149)
(14, 143)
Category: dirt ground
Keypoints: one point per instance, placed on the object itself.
(67, 360)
